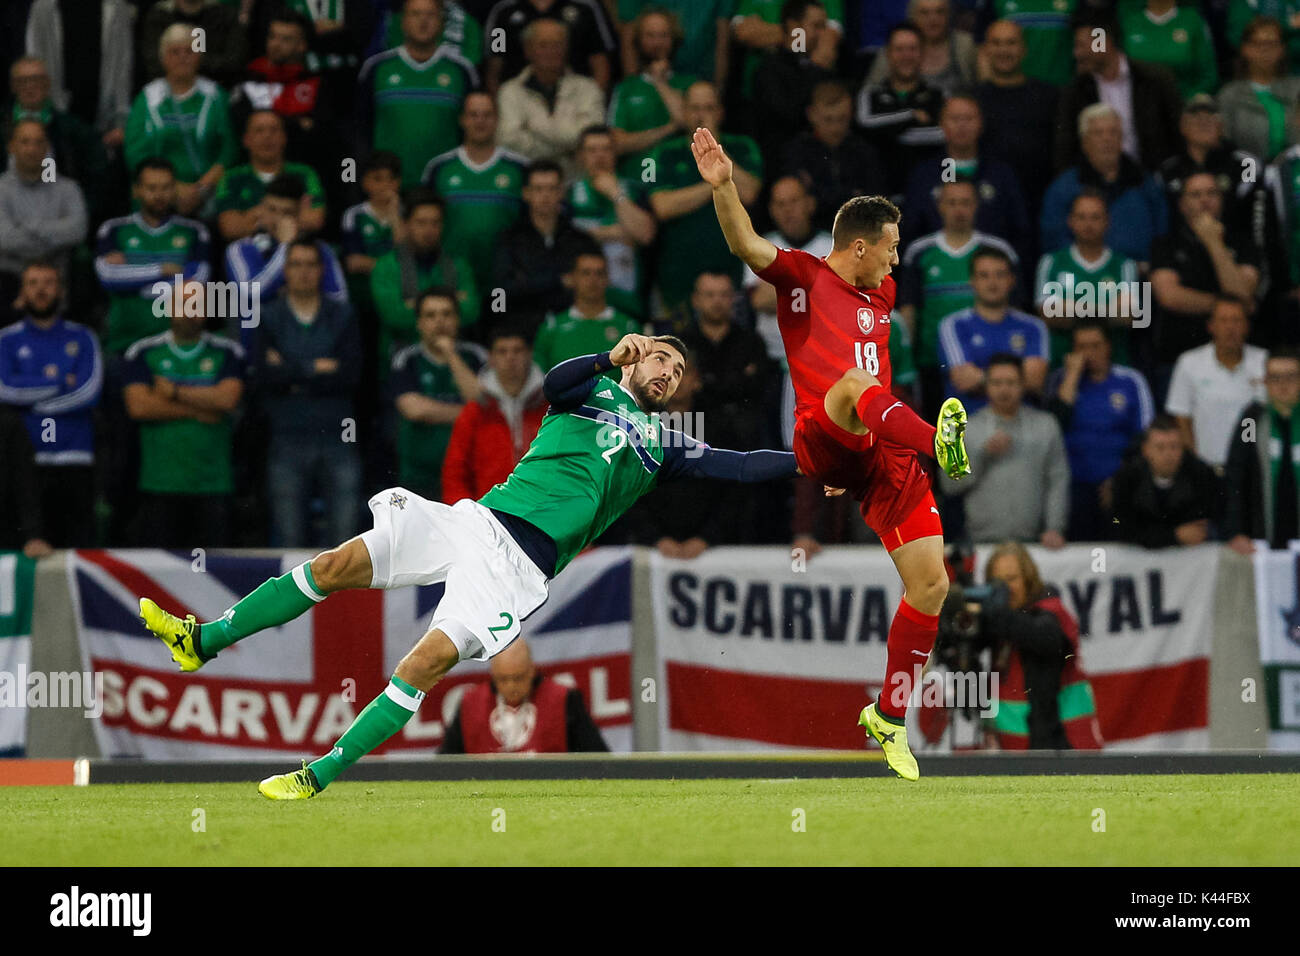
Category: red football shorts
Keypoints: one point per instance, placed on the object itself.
(885, 478)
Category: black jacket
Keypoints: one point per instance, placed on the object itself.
(1157, 109)
(530, 268)
(1248, 506)
(1148, 515)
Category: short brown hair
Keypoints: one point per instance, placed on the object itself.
(863, 217)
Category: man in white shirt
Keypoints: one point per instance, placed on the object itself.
(1214, 382)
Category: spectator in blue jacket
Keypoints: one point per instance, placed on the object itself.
(51, 368)
(308, 364)
(1103, 409)
(261, 257)
(1134, 199)
(1002, 210)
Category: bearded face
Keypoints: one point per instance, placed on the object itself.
(655, 378)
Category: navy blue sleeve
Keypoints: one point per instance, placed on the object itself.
(570, 382)
(684, 457)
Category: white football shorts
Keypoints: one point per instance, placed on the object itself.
(491, 584)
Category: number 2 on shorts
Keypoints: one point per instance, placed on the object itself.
(506, 626)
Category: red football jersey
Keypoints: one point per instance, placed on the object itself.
(827, 325)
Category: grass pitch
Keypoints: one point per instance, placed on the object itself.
(1197, 820)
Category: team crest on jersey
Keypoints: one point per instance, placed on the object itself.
(178, 242)
(1118, 401)
(71, 349)
(397, 501)
(1179, 35)
(444, 79)
(502, 180)
(1017, 342)
(866, 320)
(207, 365)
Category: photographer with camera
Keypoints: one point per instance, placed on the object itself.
(1044, 700)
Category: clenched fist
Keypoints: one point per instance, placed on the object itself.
(631, 348)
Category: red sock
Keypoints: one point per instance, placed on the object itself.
(892, 420)
(910, 638)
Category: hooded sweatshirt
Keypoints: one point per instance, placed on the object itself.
(491, 435)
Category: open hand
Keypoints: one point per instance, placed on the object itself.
(714, 165)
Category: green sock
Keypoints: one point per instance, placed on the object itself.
(383, 717)
(276, 601)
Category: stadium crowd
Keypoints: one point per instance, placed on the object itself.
(261, 257)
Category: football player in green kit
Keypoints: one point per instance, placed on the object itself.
(600, 448)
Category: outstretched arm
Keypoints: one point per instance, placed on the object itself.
(684, 457)
(716, 169)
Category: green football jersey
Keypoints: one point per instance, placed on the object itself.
(177, 240)
(243, 187)
(421, 447)
(591, 208)
(364, 232)
(939, 278)
(694, 243)
(397, 323)
(416, 106)
(1049, 42)
(584, 469)
(1055, 267)
(481, 203)
(460, 32)
(183, 456)
(193, 132)
(1180, 43)
(568, 335)
(635, 107)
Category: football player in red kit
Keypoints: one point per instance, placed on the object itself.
(850, 431)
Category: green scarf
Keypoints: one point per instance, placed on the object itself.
(1277, 448)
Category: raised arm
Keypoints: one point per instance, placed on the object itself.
(566, 385)
(716, 169)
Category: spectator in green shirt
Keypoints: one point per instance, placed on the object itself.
(608, 208)
(238, 201)
(432, 380)
(185, 118)
(417, 262)
(182, 387)
(691, 241)
(1177, 38)
(590, 325)
(646, 109)
(368, 227)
